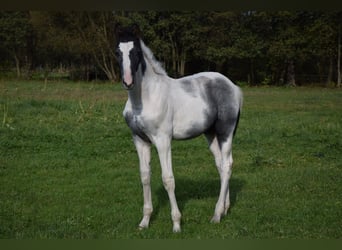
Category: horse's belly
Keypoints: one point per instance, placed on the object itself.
(191, 121)
(192, 131)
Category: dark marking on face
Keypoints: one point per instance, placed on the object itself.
(137, 58)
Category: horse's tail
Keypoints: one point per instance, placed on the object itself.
(240, 99)
(237, 123)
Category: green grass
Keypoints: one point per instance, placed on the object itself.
(68, 167)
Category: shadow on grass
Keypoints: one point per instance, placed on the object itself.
(188, 189)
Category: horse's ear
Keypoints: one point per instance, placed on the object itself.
(136, 30)
(118, 30)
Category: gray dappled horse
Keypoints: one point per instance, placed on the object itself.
(160, 108)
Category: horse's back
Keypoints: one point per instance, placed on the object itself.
(212, 86)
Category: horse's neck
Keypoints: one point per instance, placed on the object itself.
(145, 88)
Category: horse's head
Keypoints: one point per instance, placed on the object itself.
(129, 54)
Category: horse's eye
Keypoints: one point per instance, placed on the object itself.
(118, 53)
(138, 53)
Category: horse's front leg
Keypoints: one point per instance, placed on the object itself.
(163, 145)
(144, 153)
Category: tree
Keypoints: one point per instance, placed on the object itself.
(283, 47)
(172, 35)
(250, 41)
(16, 38)
(178, 29)
(322, 38)
(338, 84)
(288, 46)
(96, 30)
(337, 23)
(53, 41)
(218, 42)
(234, 38)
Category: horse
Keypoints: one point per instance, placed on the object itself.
(160, 108)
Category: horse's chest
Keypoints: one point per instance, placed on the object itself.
(138, 124)
(134, 122)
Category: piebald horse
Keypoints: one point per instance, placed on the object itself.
(160, 108)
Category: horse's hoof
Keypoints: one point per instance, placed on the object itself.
(215, 219)
(144, 223)
(226, 211)
(142, 226)
(177, 230)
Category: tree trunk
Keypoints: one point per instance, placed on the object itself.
(291, 79)
(17, 65)
(174, 59)
(330, 70)
(46, 73)
(339, 58)
(282, 74)
(319, 69)
(182, 64)
(173, 55)
(251, 79)
(108, 69)
(87, 72)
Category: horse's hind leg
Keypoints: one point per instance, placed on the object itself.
(227, 201)
(215, 149)
(225, 170)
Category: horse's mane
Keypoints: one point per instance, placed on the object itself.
(156, 66)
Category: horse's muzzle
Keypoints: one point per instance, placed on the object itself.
(128, 86)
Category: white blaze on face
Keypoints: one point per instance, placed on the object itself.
(126, 62)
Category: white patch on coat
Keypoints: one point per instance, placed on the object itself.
(185, 104)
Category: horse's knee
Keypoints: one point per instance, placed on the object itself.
(169, 183)
(145, 178)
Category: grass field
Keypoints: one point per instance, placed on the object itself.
(68, 167)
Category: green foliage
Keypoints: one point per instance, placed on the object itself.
(69, 170)
(13, 38)
(257, 47)
(16, 39)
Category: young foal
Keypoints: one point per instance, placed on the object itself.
(160, 108)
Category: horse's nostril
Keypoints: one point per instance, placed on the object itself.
(128, 86)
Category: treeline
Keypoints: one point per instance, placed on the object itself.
(254, 47)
